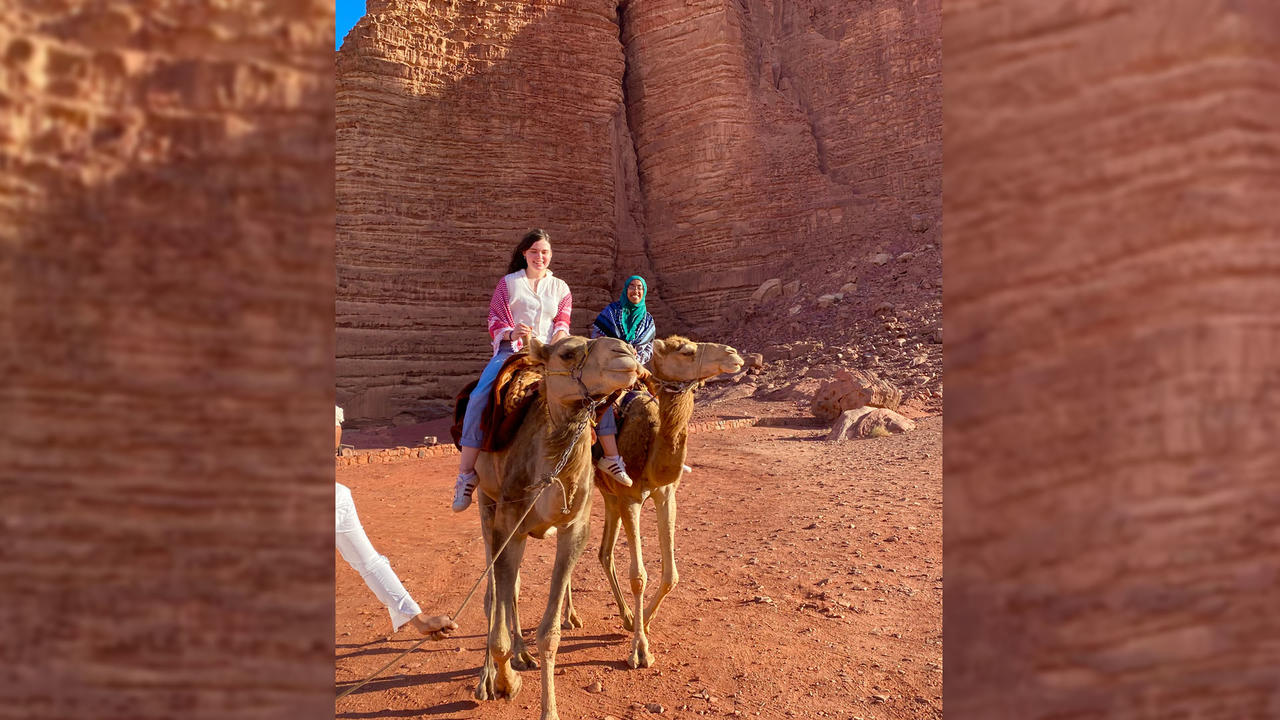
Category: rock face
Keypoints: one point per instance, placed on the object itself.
(708, 146)
(166, 235)
(1111, 456)
(854, 389)
(865, 422)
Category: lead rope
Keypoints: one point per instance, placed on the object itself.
(546, 482)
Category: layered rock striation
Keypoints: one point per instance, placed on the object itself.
(708, 145)
(165, 282)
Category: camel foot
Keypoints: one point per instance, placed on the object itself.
(571, 621)
(513, 687)
(523, 660)
(640, 658)
(484, 688)
(493, 686)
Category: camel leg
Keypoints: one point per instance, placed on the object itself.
(505, 682)
(522, 659)
(664, 501)
(612, 522)
(484, 687)
(571, 620)
(640, 655)
(569, 547)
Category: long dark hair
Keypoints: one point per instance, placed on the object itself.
(518, 262)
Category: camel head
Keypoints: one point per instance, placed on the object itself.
(679, 359)
(576, 364)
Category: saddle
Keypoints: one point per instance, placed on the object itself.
(513, 392)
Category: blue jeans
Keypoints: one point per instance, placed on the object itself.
(608, 424)
(479, 402)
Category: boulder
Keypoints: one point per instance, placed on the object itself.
(774, 353)
(865, 422)
(768, 290)
(852, 389)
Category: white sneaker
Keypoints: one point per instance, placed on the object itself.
(462, 490)
(614, 466)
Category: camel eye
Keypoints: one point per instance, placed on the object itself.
(566, 355)
(687, 351)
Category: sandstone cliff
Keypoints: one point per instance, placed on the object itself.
(165, 288)
(708, 145)
(1111, 456)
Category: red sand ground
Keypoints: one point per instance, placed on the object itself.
(810, 586)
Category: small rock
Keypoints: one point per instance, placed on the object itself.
(849, 288)
(936, 337)
(919, 223)
(754, 360)
(655, 708)
(880, 258)
(791, 288)
(595, 687)
(880, 698)
(795, 310)
(904, 257)
(884, 307)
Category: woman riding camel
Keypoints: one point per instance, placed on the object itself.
(528, 301)
(626, 319)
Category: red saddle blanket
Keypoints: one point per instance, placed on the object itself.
(513, 393)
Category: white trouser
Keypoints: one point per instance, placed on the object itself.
(374, 568)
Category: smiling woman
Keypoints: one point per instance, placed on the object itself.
(346, 14)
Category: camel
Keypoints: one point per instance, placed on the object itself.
(652, 438)
(576, 373)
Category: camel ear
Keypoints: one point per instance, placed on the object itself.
(539, 352)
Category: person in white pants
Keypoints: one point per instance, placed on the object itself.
(376, 569)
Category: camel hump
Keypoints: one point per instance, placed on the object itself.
(513, 392)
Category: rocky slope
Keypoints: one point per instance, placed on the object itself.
(708, 145)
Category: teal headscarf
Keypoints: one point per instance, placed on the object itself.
(632, 313)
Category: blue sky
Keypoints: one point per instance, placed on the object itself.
(347, 12)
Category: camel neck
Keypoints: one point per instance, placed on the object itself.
(562, 430)
(675, 410)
